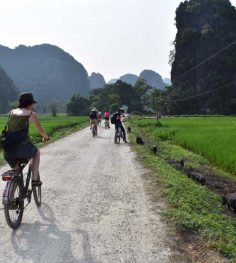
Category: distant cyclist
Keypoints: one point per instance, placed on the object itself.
(19, 119)
(99, 117)
(117, 121)
(93, 118)
(107, 118)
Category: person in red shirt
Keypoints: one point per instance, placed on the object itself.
(107, 118)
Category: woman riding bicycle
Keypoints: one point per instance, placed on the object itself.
(18, 119)
(99, 118)
(93, 118)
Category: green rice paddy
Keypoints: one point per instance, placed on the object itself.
(212, 137)
(52, 124)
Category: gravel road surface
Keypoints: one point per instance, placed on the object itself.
(95, 208)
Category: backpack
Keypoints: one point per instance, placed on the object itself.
(113, 118)
(9, 139)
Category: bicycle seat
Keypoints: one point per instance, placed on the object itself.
(22, 161)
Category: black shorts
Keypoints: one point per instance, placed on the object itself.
(23, 151)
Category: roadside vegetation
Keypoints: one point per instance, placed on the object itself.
(211, 137)
(196, 208)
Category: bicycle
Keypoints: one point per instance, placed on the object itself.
(94, 129)
(118, 135)
(107, 125)
(16, 191)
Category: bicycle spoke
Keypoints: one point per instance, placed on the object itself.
(15, 206)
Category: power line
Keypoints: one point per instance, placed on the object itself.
(204, 93)
(196, 66)
(207, 59)
(198, 95)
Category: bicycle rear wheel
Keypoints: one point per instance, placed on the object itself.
(93, 132)
(117, 138)
(14, 208)
(37, 192)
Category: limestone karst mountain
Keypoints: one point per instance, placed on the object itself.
(204, 29)
(112, 81)
(46, 70)
(129, 78)
(153, 78)
(96, 80)
(167, 81)
(8, 91)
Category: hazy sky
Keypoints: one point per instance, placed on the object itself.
(112, 37)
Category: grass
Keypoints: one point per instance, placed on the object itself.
(52, 124)
(211, 137)
(192, 206)
(56, 127)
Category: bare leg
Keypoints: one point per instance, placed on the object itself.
(35, 165)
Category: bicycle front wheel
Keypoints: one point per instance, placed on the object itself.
(93, 132)
(14, 208)
(117, 138)
(37, 192)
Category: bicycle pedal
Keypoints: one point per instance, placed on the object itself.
(28, 193)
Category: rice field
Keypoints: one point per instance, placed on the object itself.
(51, 124)
(211, 137)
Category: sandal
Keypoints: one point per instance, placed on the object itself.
(36, 183)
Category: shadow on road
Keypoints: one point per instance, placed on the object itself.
(45, 242)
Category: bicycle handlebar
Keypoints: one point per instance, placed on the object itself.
(42, 140)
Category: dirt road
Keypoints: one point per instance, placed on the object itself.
(95, 209)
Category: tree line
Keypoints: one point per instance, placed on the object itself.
(138, 99)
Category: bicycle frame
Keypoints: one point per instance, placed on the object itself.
(119, 132)
(107, 124)
(29, 174)
(94, 128)
(118, 135)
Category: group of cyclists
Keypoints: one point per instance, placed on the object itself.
(21, 117)
(96, 118)
(19, 150)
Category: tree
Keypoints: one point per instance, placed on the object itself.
(114, 107)
(78, 106)
(143, 90)
(54, 106)
(119, 93)
(12, 104)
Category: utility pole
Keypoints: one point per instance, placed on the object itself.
(158, 111)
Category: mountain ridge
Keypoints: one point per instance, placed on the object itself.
(8, 91)
(203, 29)
(96, 81)
(46, 70)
